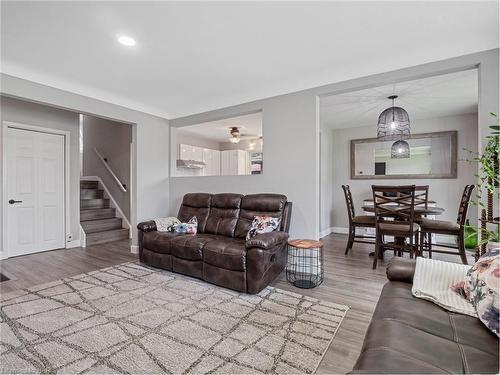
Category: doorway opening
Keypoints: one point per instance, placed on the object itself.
(439, 107)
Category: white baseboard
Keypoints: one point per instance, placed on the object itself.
(83, 237)
(73, 244)
(134, 249)
(325, 232)
(341, 230)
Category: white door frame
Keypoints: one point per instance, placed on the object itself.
(39, 129)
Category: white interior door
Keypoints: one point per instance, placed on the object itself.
(35, 192)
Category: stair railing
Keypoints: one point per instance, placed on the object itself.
(122, 186)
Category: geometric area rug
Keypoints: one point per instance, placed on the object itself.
(134, 319)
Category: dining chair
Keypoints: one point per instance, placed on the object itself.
(422, 195)
(395, 217)
(360, 221)
(429, 227)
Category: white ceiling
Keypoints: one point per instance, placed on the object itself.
(250, 127)
(438, 96)
(196, 56)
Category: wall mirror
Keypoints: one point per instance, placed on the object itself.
(225, 147)
(432, 155)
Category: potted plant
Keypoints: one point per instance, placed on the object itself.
(491, 238)
(488, 182)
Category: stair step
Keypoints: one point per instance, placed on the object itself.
(92, 226)
(96, 214)
(94, 203)
(89, 184)
(91, 193)
(106, 236)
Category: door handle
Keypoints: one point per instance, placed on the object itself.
(12, 201)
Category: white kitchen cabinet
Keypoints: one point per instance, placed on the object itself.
(235, 162)
(212, 161)
(188, 152)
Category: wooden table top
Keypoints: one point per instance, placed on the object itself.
(419, 210)
(305, 244)
(370, 200)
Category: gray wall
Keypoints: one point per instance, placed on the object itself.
(291, 168)
(150, 148)
(112, 139)
(446, 192)
(34, 114)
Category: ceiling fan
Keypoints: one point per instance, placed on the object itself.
(236, 136)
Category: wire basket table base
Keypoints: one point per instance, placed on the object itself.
(305, 266)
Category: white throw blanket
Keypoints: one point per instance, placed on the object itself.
(162, 224)
(433, 281)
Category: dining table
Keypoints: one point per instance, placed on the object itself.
(420, 211)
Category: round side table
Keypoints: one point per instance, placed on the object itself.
(304, 267)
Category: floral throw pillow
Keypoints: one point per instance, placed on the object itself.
(191, 227)
(482, 289)
(263, 224)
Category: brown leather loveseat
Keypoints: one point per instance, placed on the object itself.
(219, 253)
(413, 336)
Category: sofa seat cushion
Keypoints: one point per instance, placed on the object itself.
(190, 246)
(401, 306)
(413, 335)
(159, 242)
(227, 253)
(389, 361)
(424, 347)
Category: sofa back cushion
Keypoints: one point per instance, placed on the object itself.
(258, 205)
(195, 204)
(224, 212)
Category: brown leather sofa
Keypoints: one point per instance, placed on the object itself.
(219, 253)
(411, 335)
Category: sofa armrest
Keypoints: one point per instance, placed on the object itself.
(267, 241)
(147, 226)
(401, 269)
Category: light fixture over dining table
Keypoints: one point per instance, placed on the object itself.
(393, 123)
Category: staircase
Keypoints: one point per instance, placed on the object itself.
(97, 218)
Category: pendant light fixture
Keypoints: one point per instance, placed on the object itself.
(400, 150)
(393, 123)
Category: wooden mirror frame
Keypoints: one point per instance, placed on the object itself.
(453, 167)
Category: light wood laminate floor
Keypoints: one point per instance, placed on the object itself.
(349, 280)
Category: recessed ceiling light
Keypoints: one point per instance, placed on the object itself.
(126, 40)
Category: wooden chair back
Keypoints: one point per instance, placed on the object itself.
(422, 196)
(349, 202)
(464, 204)
(397, 202)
